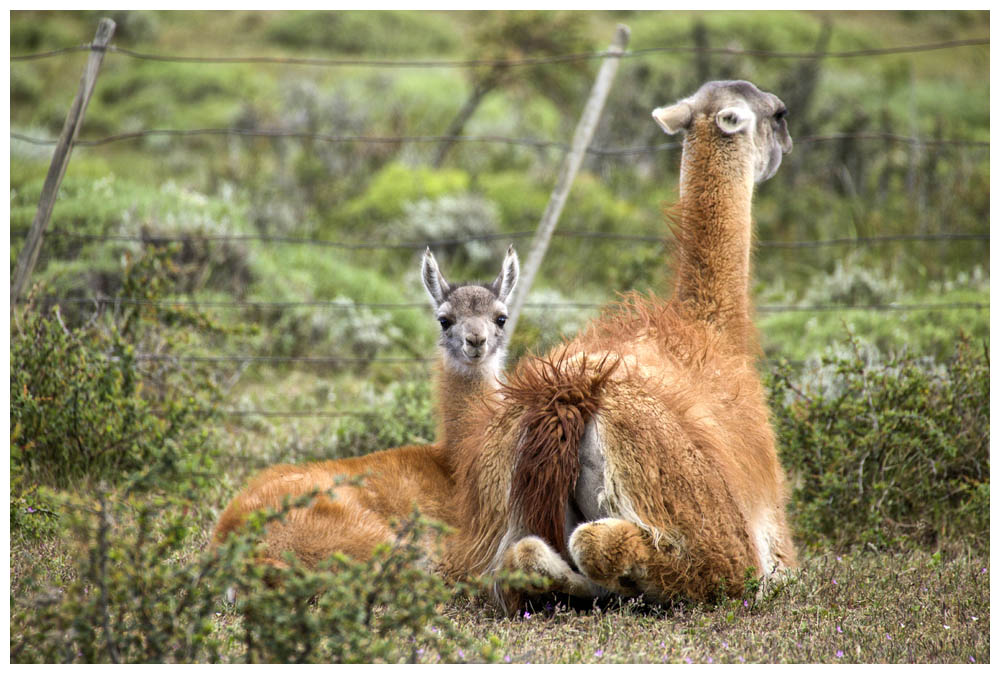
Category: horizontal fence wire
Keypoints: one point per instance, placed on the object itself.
(504, 140)
(159, 239)
(241, 358)
(296, 413)
(403, 306)
(506, 63)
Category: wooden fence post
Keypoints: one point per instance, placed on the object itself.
(60, 158)
(581, 141)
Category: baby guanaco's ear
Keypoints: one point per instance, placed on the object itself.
(504, 284)
(433, 280)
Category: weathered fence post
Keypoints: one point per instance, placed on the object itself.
(581, 141)
(60, 159)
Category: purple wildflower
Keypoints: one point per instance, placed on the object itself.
(971, 659)
(526, 615)
(887, 636)
(599, 652)
(840, 654)
(687, 660)
(461, 654)
(745, 604)
(834, 581)
(710, 659)
(725, 644)
(838, 558)
(742, 659)
(30, 509)
(839, 631)
(506, 658)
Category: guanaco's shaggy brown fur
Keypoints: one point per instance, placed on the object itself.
(651, 425)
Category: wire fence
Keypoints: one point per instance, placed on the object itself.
(101, 302)
(503, 140)
(160, 239)
(505, 63)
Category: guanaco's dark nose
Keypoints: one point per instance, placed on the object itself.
(475, 341)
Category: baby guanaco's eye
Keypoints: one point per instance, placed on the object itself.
(445, 323)
(780, 114)
(500, 320)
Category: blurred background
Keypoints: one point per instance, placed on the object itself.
(261, 175)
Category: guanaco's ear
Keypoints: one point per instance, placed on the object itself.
(507, 279)
(673, 118)
(734, 119)
(434, 282)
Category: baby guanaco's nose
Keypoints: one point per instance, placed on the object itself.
(475, 341)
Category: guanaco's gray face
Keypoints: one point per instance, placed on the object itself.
(736, 108)
(472, 316)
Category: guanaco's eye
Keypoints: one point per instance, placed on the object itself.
(780, 114)
(445, 323)
(500, 320)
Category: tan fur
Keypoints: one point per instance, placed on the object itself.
(691, 472)
(355, 518)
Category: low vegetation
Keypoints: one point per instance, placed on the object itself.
(126, 443)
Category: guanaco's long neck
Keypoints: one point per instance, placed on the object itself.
(457, 391)
(712, 280)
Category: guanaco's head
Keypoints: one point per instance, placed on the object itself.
(472, 316)
(737, 110)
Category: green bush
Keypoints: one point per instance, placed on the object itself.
(383, 33)
(888, 454)
(395, 185)
(140, 595)
(80, 407)
(404, 416)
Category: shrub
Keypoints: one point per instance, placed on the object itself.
(355, 332)
(384, 33)
(138, 596)
(450, 218)
(403, 416)
(889, 454)
(851, 284)
(80, 407)
(395, 185)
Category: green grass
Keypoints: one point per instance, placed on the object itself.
(869, 607)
